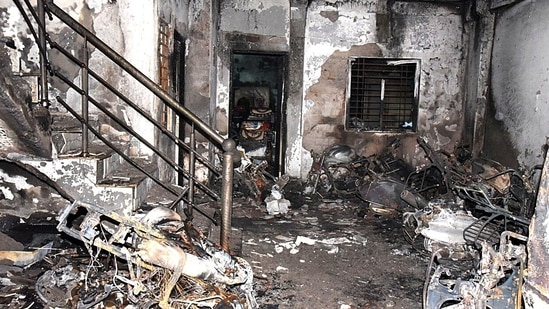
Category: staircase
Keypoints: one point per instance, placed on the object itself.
(98, 157)
(101, 177)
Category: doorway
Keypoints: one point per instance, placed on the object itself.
(257, 107)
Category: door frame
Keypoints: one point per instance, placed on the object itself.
(280, 110)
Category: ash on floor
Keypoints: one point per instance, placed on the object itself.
(329, 254)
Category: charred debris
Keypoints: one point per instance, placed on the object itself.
(468, 217)
(149, 260)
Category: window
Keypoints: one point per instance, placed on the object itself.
(382, 94)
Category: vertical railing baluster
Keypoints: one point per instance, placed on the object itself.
(85, 89)
(229, 147)
(42, 41)
(192, 158)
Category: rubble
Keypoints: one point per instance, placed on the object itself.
(167, 262)
(474, 211)
(496, 283)
(470, 215)
(469, 219)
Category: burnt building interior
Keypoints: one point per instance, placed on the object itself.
(274, 154)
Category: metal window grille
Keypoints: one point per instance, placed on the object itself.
(382, 95)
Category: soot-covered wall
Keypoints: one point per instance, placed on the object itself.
(519, 113)
(520, 82)
(434, 33)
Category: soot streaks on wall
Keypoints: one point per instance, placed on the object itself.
(520, 85)
(432, 33)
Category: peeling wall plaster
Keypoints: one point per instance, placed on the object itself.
(175, 13)
(78, 178)
(520, 86)
(11, 26)
(255, 17)
(426, 31)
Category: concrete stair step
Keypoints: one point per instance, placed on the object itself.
(67, 133)
(99, 178)
(129, 179)
(158, 196)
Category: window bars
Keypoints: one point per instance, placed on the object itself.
(382, 94)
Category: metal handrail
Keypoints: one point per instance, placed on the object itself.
(134, 106)
(134, 72)
(129, 160)
(174, 165)
(227, 145)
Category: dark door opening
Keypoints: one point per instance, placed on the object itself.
(257, 109)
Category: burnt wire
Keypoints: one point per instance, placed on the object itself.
(115, 275)
(92, 264)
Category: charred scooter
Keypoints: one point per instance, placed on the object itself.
(337, 169)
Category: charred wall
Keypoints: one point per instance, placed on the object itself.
(432, 32)
(520, 87)
(198, 59)
(330, 33)
(24, 125)
(136, 41)
(246, 26)
(520, 109)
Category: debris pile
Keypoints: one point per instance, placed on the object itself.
(254, 181)
(143, 261)
(471, 216)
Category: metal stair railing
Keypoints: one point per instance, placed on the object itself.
(196, 124)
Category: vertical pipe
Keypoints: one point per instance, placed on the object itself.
(42, 42)
(229, 147)
(382, 104)
(213, 48)
(85, 89)
(192, 158)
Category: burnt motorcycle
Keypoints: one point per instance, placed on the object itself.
(340, 170)
(337, 169)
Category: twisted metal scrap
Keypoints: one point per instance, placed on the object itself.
(200, 273)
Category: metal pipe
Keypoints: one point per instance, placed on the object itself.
(172, 136)
(229, 146)
(43, 61)
(85, 90)
(192, 142)
(133, 71)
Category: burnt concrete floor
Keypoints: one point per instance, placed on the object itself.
(324, 253)
(329, 253)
